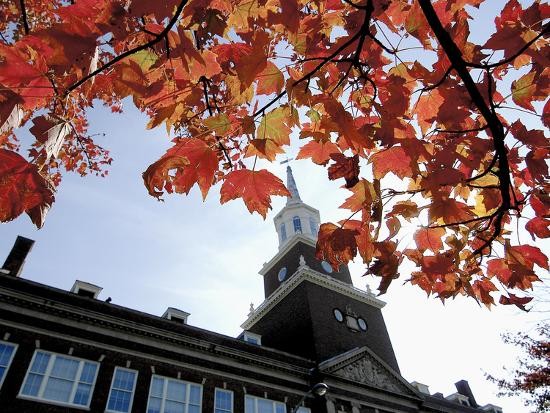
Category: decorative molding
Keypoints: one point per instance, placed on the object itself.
(292, 241)
(361, 365)
(307, 274)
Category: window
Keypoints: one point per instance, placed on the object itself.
(313, 226)
(60, 379)
(297, 225)
(252, 338)
(223, 402)
(283, 232)
(7, 350)
(258, 405)
(303, 410)
(173, 396)
(122, 390)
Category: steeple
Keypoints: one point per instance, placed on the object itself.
(296, 217)
(291, 185)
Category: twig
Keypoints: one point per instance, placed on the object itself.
(24, 16)
(130, 52)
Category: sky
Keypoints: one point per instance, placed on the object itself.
(204, 258)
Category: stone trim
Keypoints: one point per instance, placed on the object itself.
(304, 274)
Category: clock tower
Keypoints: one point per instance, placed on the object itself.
(309, 309)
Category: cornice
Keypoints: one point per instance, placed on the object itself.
(117, 327)
(287, 247)
(306, 274)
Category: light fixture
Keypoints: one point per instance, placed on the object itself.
(318, 390)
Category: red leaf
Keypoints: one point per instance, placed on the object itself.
(538, 226)
(344, 167)
(254, 187)
(515, 300)
(429, 238)
(188, 162)
(336, 245)
(394, 159)
(22, 188)
(319, 152)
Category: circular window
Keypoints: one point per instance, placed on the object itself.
(282, 274)
(326, 266)
(338, 315)
(362, 324)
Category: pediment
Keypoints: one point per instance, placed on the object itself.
(361, 365)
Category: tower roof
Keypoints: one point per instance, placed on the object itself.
(291, 185)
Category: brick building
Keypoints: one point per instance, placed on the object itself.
(70, 351)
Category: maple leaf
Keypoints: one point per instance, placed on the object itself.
(254, 187)
(22, 188)
(336, 245)
(270, 80)
(188, 162)
(394, 160)
(344, 167)
(319, 152)
(515, 300)
(429, 238)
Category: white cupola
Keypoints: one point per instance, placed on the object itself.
(296, 217)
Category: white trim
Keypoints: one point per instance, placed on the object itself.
(165, 390)
(304, 274)
(47, 374)
(232, 399)
(256, 398)
(290, 242)
(247, 335)
(85, 286)
(175, 312)
(131, 394)
(14, 346)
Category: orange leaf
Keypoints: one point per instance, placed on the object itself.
(22, 188)
(394, 159)
(344, 167)
(429, 238)
(191, 161)
(364, 194)
(270, 80)
(254, 187)
(319, 152)
(336, 245)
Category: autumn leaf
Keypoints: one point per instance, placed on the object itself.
(429, 239)
(22, 188)
(188, 162)
(344, 167)
(394, 160)
(515, 300)
(336, 245)
(270, 80)
(254, 187)
(319, 152)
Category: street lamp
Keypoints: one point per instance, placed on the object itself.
(318, 390)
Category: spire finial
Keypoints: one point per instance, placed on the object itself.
(291, 185)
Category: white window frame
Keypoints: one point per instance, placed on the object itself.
(255, 398)
(303, 409)
(232, 400)
(47, 375)
(248, 335)
(117, 368)
(165, 389)
(7, 366)
(297, 224)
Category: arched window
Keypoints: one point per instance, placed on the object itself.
(283, 232)
(313, 226)
(297, 225)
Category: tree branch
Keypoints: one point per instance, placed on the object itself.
(24, 16)
(130, 52)
(493, 122)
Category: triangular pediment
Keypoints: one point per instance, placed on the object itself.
(361, 365)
